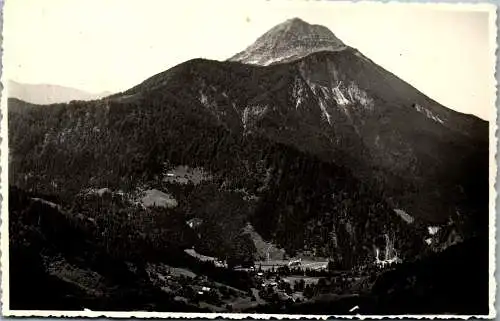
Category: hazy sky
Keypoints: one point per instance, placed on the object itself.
(111, 45)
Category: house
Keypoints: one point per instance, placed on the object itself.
(297, 262)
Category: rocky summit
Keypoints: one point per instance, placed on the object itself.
(290, 40)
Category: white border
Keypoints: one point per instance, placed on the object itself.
(493, 142)
(4, 236)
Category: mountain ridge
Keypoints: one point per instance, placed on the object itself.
(233, 118)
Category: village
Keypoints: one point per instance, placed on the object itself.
(218, 288)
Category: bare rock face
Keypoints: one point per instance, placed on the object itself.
(287, 41)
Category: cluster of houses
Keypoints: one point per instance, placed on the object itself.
(295, 263)
(201, 290)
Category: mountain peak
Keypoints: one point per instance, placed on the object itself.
(292, 39)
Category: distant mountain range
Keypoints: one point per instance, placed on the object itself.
(45, 94)
(299, 138)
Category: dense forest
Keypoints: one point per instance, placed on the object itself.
(123, 145)
(279, 172)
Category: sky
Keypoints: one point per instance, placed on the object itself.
(445, 51)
